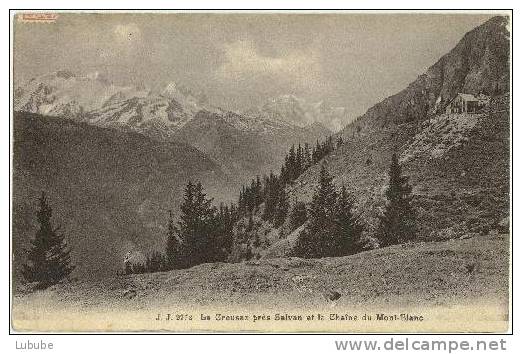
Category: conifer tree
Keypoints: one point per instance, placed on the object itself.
(316, 240)
(299, 162)
(281, 208)
(257, 192)
(316, 154)
(397, 223)
(299, 215)
(223, 238)
(174, 254)
(348, 229)
(241, 200)
(272, 187)
(202, 244)
(155, 262)
(307, 158)
(292, 164)
(283, 175)
(49, 256)
(196, 226)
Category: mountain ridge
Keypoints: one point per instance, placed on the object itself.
(458, 164)
(300, 112)
(478, 63)
(173, 113)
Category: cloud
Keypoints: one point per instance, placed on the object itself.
(123, 43)
(243, 62)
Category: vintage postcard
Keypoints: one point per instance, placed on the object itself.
(327, 171)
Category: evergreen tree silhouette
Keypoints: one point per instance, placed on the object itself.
(317, 238)
(225, 220)
(173, 252)
(292, 164)
(271, 196)
(196, 228)
(348, 229)
(307, 157)
(397, 223)
(49, 256)
(299, 161)
(155, 262)
(281, 208)
(299, 215)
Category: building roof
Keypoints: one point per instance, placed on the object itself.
(467, 96)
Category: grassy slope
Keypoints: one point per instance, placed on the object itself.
(466, 189)
(426, 275)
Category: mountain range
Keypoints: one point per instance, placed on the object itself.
(301, 112)
(173, 113)
(115, 158)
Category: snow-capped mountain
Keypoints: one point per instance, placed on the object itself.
(243, 143)
(64, 93)
(297, 111)
(94, 99)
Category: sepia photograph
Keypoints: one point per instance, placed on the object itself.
(260, 171)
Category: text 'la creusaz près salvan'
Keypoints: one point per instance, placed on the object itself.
(405, 317)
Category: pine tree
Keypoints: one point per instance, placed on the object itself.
(292, 164)
(348, 229)
(281, 208)
(224, 231)
(155, 262)
(241, 200)
(272, 188)
(299, 162)
(197, 227)
(187, 226)
(307, 156)
(257, 192)
(299, 215)
(201, 244)
(283, 175)
(316, 240)
(316, 154)
(174, 253)
(49, 256)
(397, 223)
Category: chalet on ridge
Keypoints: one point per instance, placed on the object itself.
(467, 103)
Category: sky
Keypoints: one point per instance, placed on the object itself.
(242, 60)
